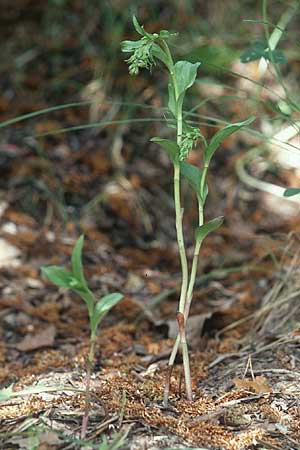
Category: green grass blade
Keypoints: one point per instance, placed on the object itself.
(40, 112)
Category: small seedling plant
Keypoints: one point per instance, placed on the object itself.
(145, 53)
(75, 281)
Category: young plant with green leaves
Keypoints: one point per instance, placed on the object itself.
(146, 51)
(75, 281)
(268, 55)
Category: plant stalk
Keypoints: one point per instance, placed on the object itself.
(185, 293)
(182, 252)
(89, 369)
(185, 354)
(180, 238)
(177, 201)
(189, 298)
(194, 269)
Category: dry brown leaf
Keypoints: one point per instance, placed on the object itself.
(98, 161)
(19, 218)
(43, 339)
(259, 385)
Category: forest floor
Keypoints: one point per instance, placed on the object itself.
(244, 333)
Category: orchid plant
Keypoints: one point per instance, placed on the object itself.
(145, 52)
(75, 281)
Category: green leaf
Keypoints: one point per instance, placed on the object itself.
(221, 135)
(107, 302)
(76, 261)
(87, 296)
(276, 56)
(185, 74)
(291, 191)
(158, 53)
(137, 26)
(103, 306)
(171, 147)
(172, 99)
(61, 277)
(204, 230)
(260, 49)
(193, 176)
(204, 194)
(165, 34)
(140, 29)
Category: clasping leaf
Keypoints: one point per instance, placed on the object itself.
(103, 306)
(221, 135)
(171, 147)
(172, 99)
(60, 277)
(192, 174)
(184, 77)
(185, 74)
(209, 227)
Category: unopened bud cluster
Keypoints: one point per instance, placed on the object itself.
(188, 141)
(142, 57)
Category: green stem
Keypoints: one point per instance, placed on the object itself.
(179, 231)
(186, 308)
(182, 252)
(185, 355)
(202, 187)
(184, 266)
(180, 239)
(89, 369)
(178, 209)
(186, 368)
(194, 268)
(190, 289)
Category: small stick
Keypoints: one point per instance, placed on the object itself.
(180, 385)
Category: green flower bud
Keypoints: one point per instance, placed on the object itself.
(188, 141)
(142, 56)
